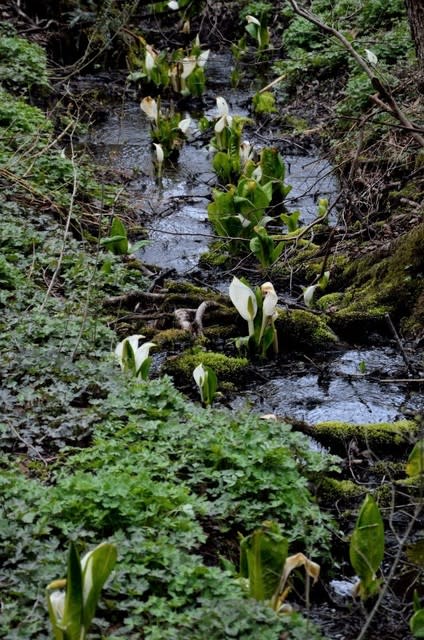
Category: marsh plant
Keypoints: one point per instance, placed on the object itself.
(242, 211)
(366, 549)
(183, 72)
(258, 31)
(259, 309)
(206, 382)
(134, 358)
(168, 130)
(72, 601)
(117, 242)
(266, 566)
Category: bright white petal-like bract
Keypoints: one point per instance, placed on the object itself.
(189, 65)
(57, 602)
(270, 300)
(243, 299)
(173, 4)
(253, 20)
(149, 61)
(150, 108)
(222, 106)
(184, 125)
(119, 350)
(142, 354)
(159, 152)
(199, 375)
(308, 294)
(203, 58)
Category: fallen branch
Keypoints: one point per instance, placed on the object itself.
(192, 319)
(133, 297)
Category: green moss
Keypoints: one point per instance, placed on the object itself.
(171, 337)
(332, 491)
(186, 294)
(215, 257)
(383, 282)
(378, 437)
(303, 331)
(226, 368)
(329, 300)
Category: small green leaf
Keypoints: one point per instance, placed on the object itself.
(367, 546)
(416, 624)
(415, 464)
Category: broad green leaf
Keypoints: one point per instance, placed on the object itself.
(367, 546)
(415, 464)
(118, 230)
(416, 624)
(262, 557)
(97, 566)
(128, 357)
(72, 618)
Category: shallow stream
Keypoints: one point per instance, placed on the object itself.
(349, 384)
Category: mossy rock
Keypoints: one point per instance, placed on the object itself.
(172, 337)
(227, 368)
(185, 294)
(332, 491)
(300, 330)
(381, 437)
(387, 281)
(359, 325)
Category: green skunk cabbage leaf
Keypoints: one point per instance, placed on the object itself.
(367, 546)
(97, 566)
(416, 624)
(262, 557)
(73, 612)
(117, 242)
(415, 464)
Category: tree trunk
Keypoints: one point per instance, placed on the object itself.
(415, 9)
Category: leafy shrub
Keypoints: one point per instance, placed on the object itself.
(22, 64)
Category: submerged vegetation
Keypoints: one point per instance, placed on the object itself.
(102, 455)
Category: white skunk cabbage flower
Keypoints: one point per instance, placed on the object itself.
(253, 20)
(189, 64)
(199, 375)
(184, 125)
(270, 300)
(140, 353)
(57, 604)
(149, 59)
(257, 174)
(203, 58)
(308, 294)
(245, 152)
(150, 108)
(269, 310)
(371, 57)
(224, 117)
(119, 351)
(173, 4)
(159, 152)
(244, 301)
